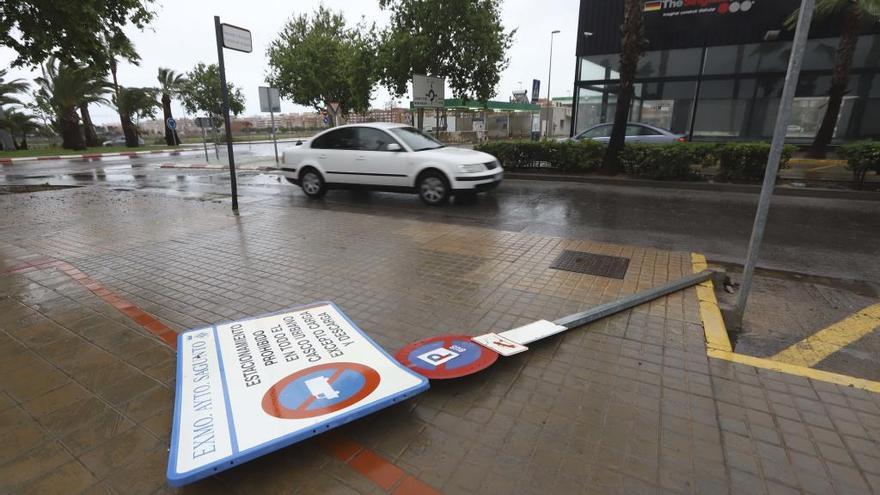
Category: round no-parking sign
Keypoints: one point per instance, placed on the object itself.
(320, 390)
(446, 356)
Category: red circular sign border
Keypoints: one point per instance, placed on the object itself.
(487, 358)
(270, 398)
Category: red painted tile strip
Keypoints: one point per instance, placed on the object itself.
(362, 460)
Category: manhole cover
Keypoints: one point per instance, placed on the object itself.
(592, 264)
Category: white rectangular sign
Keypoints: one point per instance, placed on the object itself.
(499, 344)
(236, 38)
(428, 91)
(251, 387)
(538, 330)
(270, 99)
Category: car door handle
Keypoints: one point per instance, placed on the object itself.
(321, 157)
(360, 158)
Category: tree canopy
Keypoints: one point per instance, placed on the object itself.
(201, 93)
(316, 59)
(461, 40)
(67, 30)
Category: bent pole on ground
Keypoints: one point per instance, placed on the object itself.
(795, 61)
(610, 308)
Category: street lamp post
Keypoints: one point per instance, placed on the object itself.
(549, 74)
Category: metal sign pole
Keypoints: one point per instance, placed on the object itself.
(205, 143)
(791, 79)
(226, 119)
(274, 138)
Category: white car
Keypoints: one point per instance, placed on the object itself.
(388, 157)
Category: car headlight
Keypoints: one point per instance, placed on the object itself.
(477, 167)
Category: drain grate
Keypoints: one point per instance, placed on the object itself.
(592, 264)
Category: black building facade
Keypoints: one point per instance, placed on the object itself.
(714, 69)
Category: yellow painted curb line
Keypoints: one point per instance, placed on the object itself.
(713, 323)
(792, 369)
(718, 343)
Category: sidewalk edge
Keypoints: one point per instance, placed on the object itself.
(718, 344)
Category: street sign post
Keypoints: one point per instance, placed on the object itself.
(783, 117)
(239, 39)
(270, 101)
(251, 387)
(172, 126)
(203, 123)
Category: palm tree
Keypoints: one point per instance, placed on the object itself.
(8, 89)
(117, 47)
(134, 103)
(851, 14)
(632, 47)
(171, 85)
(96, 93)
(64, 86)
(18, 123)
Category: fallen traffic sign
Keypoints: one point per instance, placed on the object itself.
(446, 356)
(250, 387)
(499, 344)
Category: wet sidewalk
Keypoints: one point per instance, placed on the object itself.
(95, 282)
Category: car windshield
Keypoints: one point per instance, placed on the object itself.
(415, 139)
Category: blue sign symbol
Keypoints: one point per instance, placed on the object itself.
(319, 390)
(455, 355)
(171, 123)
(316, 391)
(326, 119)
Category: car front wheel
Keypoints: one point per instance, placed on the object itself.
(312, 183)
(433, 188)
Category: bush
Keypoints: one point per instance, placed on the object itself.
(666, 161)
(860, 158)
(566, 156)
(747, 160)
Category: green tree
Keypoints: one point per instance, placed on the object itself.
(851, 14)
(171, 85)
(18, 124)
(201, 94)
(69, 31)
(317, 60)
(63, 86)
(461, 40)
(134, 104)
(632, 45)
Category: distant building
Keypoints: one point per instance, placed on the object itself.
(715, 70)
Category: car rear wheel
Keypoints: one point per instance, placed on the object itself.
(433, 188)
(312, 183)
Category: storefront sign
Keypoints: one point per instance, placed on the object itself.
(251, 387)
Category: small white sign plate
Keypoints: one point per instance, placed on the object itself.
(250, 387)
(499, 344)
(428, 92)
(533, 331)
(236, 38)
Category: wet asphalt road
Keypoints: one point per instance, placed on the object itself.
(834, 238)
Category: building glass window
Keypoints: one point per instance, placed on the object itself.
(670, 63)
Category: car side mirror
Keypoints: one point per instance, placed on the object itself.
(393, 147)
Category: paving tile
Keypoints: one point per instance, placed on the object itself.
(119, 451)
(34, 463)
(72, 477)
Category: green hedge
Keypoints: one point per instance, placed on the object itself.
(861, 158)
(666, 161)
(566, 156)
(747, 160)
(738, 161)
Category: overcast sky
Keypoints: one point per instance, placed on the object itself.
(183, 34)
